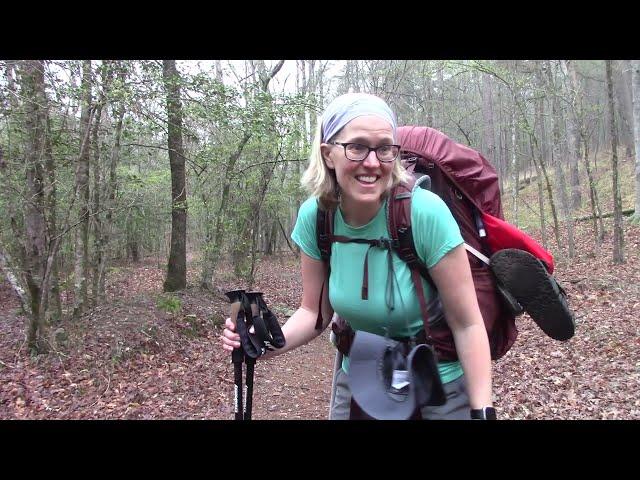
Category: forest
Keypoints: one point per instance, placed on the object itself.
(135, 193)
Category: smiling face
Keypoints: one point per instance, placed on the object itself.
(361, 183)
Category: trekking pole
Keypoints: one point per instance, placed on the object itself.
(337, 364)
(249, 385)
(237, 356)
(252, 298)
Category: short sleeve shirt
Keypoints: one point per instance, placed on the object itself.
(392, 305)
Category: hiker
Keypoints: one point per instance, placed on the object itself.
(354, 164)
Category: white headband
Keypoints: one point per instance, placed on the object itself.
(346, 107)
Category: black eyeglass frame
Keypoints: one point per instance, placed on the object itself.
(370, 149)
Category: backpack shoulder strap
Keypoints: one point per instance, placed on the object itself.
(399, 224)
(324, 234)
(324, 230)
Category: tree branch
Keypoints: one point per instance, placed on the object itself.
(240, 172)
(274, 71)
(285, 235)
(71, 227)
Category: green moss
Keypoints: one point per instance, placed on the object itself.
(169, 303)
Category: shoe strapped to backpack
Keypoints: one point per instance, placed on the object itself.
(540, 294)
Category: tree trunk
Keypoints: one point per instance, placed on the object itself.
(514, 165)
(574, 93)
(82, 183)
(618, 236)
(11, 103)
(55, 314)
(441, 115)
(624, 100)
(35, 245)
(218, 70)
(267, 169)
(313, 90)
(98, 245)
(487, 117)
(212, 250)
(555, 155)
(500, 146)
(577, 98)
(177, 266)
(111, 188)
(539, 109)
(273, 231)
(208, 260)
(543, 163)
(308, 133)
(556, 118)
(598, 224)
(514, 159)
(635, 75)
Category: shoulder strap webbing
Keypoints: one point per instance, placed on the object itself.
(399, 224)
(324, 232)
(324, 229)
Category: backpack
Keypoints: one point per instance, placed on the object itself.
(468, 184)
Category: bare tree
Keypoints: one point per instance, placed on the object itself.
(635, 75)
(266, 173)
(82, 183)
(36, 254)
(51, 201)
(104, 234)
(487, 117)
(559, 172)
(579, 120)
(622, 80)
(177, 265)
(618, 236)
(515, 170)
(539, 120)
(98, 226)
(568, 69)
(214, 247)
(427, 89)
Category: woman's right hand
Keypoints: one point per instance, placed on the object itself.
(230, 339)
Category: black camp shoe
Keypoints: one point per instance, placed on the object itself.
(538, 292)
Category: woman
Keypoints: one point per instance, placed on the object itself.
(353, 165)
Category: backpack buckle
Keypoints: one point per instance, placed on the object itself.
(386, 243)
(324, 245)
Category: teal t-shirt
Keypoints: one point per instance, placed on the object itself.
(435, 233)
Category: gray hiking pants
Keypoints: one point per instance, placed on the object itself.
(456, 408)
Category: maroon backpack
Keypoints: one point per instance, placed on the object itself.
(468, 184)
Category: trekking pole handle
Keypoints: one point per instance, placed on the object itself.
(235, 297)
(254, 301)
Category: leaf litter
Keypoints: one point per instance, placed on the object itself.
(129, 359)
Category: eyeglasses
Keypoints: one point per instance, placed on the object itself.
(357, 152)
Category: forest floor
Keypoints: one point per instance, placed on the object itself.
(129, 359)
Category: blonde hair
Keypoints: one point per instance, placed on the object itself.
(320, 181)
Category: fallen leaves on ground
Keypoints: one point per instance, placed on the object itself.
(129, 359)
